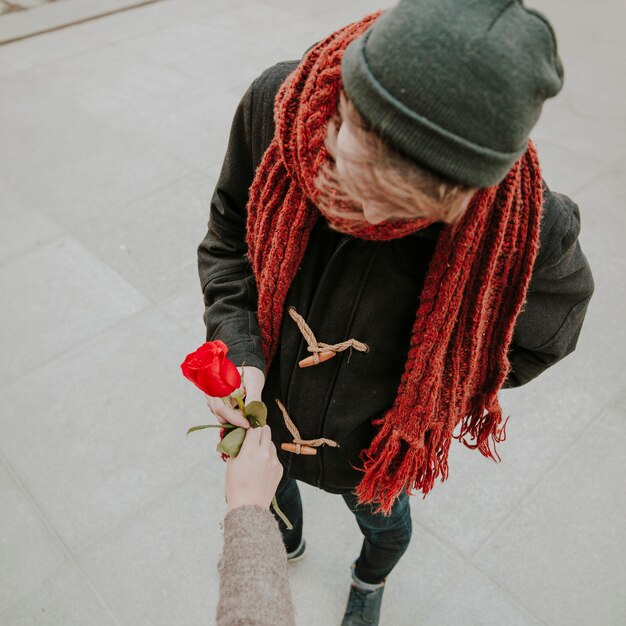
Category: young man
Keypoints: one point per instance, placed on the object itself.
(380, 203)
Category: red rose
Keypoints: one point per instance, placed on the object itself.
(209, 370)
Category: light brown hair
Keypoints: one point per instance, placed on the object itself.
(383, 177)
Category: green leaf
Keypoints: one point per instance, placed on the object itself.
(231, 444)
(194, 428)
(258, 412)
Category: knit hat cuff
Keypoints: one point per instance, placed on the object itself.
(428, 144)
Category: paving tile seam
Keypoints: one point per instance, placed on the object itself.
(127, 519)
(613, 431)
(179, 326)
(69, 24)
(444, 540)
(24, 596)
(458, 575)
(508, 593)
(61, 544)
(549, 472)
(80, 345)
(437, 596)
(64, 94)
(144, 195)
(601, 412)
(46, 241)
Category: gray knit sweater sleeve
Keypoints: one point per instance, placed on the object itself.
(254, 588)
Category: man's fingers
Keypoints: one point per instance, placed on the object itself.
(235, 418)
(253, 392)
(226, 414)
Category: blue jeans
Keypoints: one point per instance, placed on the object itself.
(385, 537)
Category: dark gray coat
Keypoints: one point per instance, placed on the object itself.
(367, 290)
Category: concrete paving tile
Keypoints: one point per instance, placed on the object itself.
(156, 237)
(104, 432)
(186, 307)
(474, 599)
(45, 48)
(195, 10)
(23, 228)
(96, 68)
(197, 134)
(615, 417)
(561, 554)
(288, 36)
(18, 24)
(132, 23)
(64, 599)
(96, 168)
(60, 296)
(160, 568)
(333, 13)
(589, 123)
(24, 95)
(169, 109)
(589, 44)
(168, 45)
(215, 67)
(565, 170)
(604, 219)
(7, 70)
(621, 400)
(153, 89)
(335, 17)
(61, 13)
(247, 18)
(30, 3)
(29, 551)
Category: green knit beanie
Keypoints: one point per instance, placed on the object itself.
(455, 85)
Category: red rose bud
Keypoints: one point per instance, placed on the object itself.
(209, 370)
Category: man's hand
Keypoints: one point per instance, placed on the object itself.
(253, 380)
(252, 476)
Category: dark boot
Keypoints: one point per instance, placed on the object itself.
(363, 603)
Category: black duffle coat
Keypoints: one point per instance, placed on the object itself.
(366, 290)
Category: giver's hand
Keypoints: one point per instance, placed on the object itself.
(253, 380)
(252, 476)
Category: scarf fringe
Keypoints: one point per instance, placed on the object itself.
(484, 430)
(393, 465)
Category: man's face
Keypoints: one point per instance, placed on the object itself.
(373, 199)
(348, 149)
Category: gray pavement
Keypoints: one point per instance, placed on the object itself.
(111, 137)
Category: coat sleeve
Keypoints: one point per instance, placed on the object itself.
(226, 278)
(561, 286)
(254, 588)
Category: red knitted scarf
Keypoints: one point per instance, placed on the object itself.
(474, 289)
